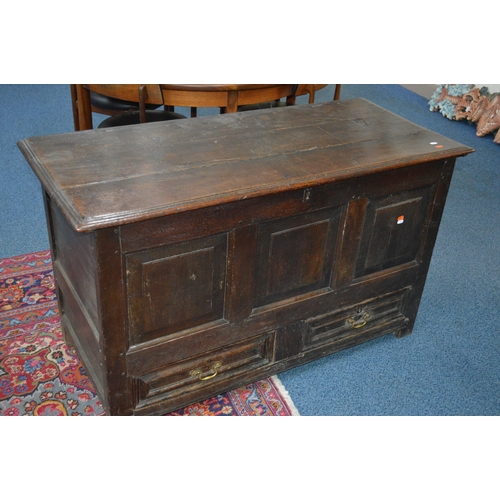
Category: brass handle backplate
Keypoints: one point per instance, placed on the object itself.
(199, 372)
(358, 321)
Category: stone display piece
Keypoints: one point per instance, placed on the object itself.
(466, 101)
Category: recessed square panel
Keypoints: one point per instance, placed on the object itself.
(176, 287)
(392, 231)
(394, 237)
(295, 255)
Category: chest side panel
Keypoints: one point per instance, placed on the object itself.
(76, 277)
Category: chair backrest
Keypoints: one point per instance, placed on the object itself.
(148, 94)
(227, 97)
(138, 93)
(308, 88)
(311, 88)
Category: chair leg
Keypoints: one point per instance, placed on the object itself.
(336, 96)
(74, 104)
(84, 108)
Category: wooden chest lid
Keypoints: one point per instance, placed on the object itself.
(107, 177)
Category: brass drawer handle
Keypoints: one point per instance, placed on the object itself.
(358, 322)
(199, 373)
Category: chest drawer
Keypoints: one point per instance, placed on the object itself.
(364, 319)
(205, 375)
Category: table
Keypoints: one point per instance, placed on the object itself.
(228, 97)
(195, 256)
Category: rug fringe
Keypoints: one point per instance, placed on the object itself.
(293, 409)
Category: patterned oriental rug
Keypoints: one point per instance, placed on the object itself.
(41, 375)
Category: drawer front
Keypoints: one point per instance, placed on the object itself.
(382, 313)
(203, 374)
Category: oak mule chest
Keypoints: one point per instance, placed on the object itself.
(195, 256)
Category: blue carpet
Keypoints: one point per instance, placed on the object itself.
(448, 366)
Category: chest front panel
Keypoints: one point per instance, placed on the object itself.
(249, 269)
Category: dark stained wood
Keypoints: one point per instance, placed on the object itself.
(308, 238)
(148, 173)
(392, 230)
(191, 258)
(354, 214)
(154, 277)
(243, 247)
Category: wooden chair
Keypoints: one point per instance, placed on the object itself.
(132, 104)
(311, 90)
(229, 98)
(276, 103)
(297, 90)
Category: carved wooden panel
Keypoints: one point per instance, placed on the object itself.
(206, 371)
(295, 255)
(176, 287)
(392, 230)
(336, 326)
